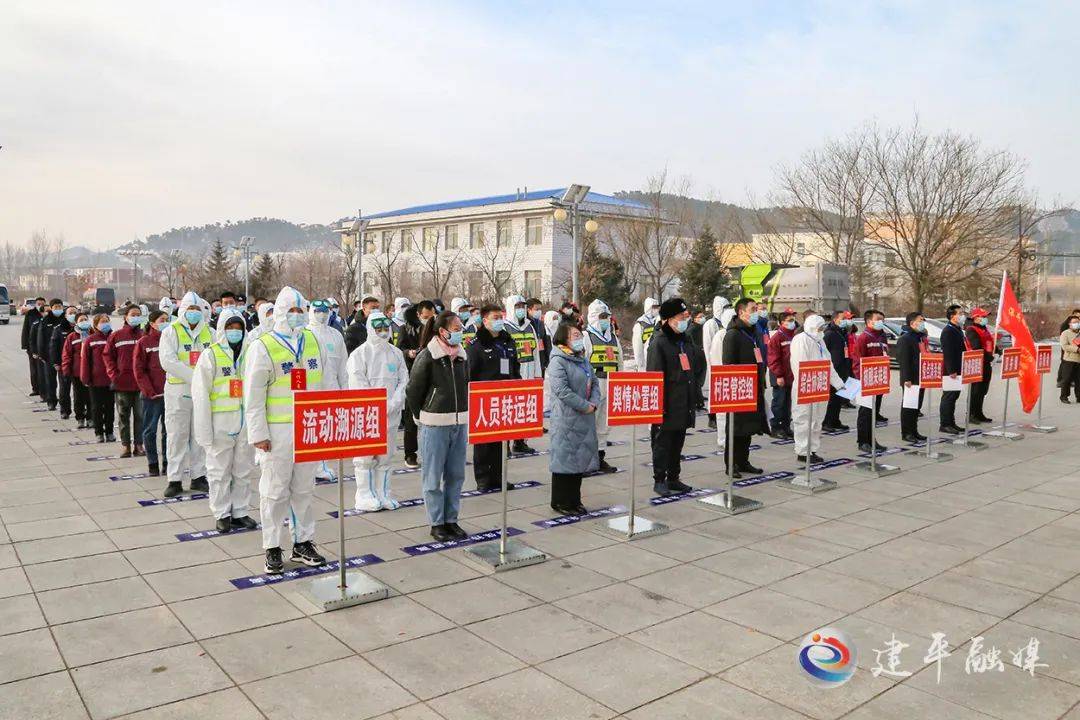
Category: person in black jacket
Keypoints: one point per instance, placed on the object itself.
(911, 343)
(42, 336)
(30, 321)
(492, 356)
(953, 345)
(356, 332)
(408, 341)
(701, 364)
(670, 352)
(740, 343)
(836, 340)
(56, 353)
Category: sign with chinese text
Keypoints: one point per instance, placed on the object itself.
(338, 424)
(1010, 363)
(1044, 358)
(875, 375)
(931, 370)
(813, 381)
(733, 388)
(505, 410)
(971, 366)
(635, 398)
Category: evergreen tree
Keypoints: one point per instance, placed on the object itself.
(219, 271)
(604, 277)
(265, 278)
(703, 276)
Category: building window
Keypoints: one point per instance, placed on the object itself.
(451, 237)
(387, 238)
(800, 249)
(533, 279)
(476, 235)
(369, 243)
(406, 240)
(431, 239)
(476, 284)
(502, 279)
(502, 233)
(534, 231)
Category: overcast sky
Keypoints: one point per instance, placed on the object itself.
(120, 119)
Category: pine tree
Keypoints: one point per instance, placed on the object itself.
(703, 277)
(603, 277)
(219, 271)
(265, 277)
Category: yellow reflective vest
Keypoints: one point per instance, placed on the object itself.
(279, 396)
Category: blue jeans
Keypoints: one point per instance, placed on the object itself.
(153, 412)
(781, 407)
(442, 470)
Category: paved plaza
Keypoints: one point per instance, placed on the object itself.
(105, 613)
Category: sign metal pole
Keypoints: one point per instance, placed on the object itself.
(1038, 426)
(931, 453)
(808, 484)
(727, 501)
(1002, 430)
(965, 440)
(631, 526)
(875, 468)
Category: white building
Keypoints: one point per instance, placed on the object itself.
(481, 248)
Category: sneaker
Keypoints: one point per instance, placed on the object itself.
(65, 416)
(604, 467)
(153, 470)
(678, 486)
(950, 430)
(199, 484)
(100, 438)
(712, 423)
(523, 448)
(882, 419)
(109, 437)
(456, 530)
(174, 489)
(306, 553)
(814, 458)
(274, 565)
(244, 523)
(748, 468)
(441, 534)
(223, 525)
(663, 489)
(411, 461)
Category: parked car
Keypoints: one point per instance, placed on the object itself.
(1004, 339)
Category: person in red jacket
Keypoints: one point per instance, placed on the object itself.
(871, 342)
(151, 380)
(980, 338)
(69, 368)
(95, 377)
(780, 376)
(119, 351)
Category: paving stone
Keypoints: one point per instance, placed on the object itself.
(776, 614)
(751, 566)
(113, 636)
(26, 654)
(524, 694)
(274, 650)
(704, 641)
(540, 633)
(691, 585)
(229, 703)
(67, 573)
(375, 625)
(19, 613)
(474, 600)
(715, 699)
(622, 608)
(44, 697)
(234, 611)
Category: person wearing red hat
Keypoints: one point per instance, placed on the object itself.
(980, 338)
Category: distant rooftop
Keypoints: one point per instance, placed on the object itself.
(555, 194)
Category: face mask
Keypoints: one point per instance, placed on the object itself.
(160, 326)
(519, 313)
(105, 328)
(651, 314)
(455, 338)
(384, 333)
(83, 325)
(699, 321)
(754, 317)
(1074, 326)
(872, 325)
(296, 320)
(322, 316)
(577, 345)
(70, 318)
(476, 318)
(981, 321)
(789, 325)
(136, 321)
(961, 318)
(194, 317)
(683, 324)
(465, 317)
(917, 327)
(535, 314)
(234, 335)
(604, 325)
(845, 323)
(40, 308)
(570, 311)
(496, 326)
(57, 312)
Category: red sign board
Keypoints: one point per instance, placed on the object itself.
(733, 388)
(1010, 363)
(505, 410)
(1044, 358)
(874, 372)
(971, 367)
(813, 381)
(338, 424)
(635, 398)
(931, 370)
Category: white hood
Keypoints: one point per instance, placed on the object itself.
(718, 306)
(192, 300)
(314, 319)
(457, 303)
(226, 315)
(726, 316)
(508, 304)
(266, 316)
(551, 321)
(400, 303)
(813, 325)
(649, 302)
(165, 305)
(372, 336)
(595, 308)
(286, 300)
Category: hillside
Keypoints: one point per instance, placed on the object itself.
(271, 234)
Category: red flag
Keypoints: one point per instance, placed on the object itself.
(1011, 319)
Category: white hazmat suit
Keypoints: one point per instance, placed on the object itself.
(715, 349)
(332, 343)
(809, 345)
(525, 339)
(266, 320)
(644, 327)
(592, 335)
(378, 364)
(230, 458)
(177, 353)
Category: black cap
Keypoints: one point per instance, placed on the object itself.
(671, 308)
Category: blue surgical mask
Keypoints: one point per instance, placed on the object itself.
(604, 325)
(71, 319)
(193, 317)
(789, 325)
(83, 325)
(296, 320)
(519, 313)
(497, 326)
(105, 328)
(136, 321)
(234, 335)
(754, 317)
(981, 321)
(961, 318)
(465, 317)
(455, 338)
(845, 323)
(57, 312)
(683, 324)
(871, 325)
(577, 345)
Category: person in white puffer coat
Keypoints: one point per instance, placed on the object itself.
(715, 349)
(378, 364)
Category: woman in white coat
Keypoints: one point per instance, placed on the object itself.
(217, 397)
(378, 364)
(716, 357)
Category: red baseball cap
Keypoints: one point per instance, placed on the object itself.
(979, 312)
(848, 315)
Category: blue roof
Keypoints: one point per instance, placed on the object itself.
(555, 194)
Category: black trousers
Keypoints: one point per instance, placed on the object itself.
(947, 410)
(909, 418)
(63, 393)
(411, 442)
(978, 396)
(102, 410)
(47, 382)
(667, 448)
(781, 407)
(566, 489)
(1069, 377)
(487, 465)
(864, 421)
(35, 374)
(80, 396)
(741, 450)
(832, 410)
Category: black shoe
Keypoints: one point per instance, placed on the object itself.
(605, 468)
(306, 553)
(224, 525)
(920, 438)
(975, 421)
(65, 416)
(488, 488)
(814, 458)
(244, 523)
(109, 437)
(748, 468)
(563, 509)
(679, 486)
(411, 461)
(984, 419)
(173, 489)
(1066, 400)
(456, 530)
(274, 565)
(441, 534)
(864, 447)
(522, 448)
(712, 423)
(951, 430)
(153, 470)
(882, 419)
(830, 428)
(663, 489)
(100, 438)
(910, 438)
(199, 484)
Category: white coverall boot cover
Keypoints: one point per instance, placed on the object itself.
(809, 345)
(715, 350)
(332, 343)
(178, 342)
(285, 487)
(219, 425)
(378, 364)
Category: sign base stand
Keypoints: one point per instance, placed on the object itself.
(517, 555)
(326, 592)
(1004, 434)
(1039, 428)
(643, 527)
(730, 503)
(814, 486)
(973, 445)
(932, 455)
(876, 468)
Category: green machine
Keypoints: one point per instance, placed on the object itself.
(823, 287)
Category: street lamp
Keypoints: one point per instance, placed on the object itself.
(572, 198)
(133, 253)
(247, 242)
(358, 228)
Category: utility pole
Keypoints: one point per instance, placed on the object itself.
(136, 251)
(247, 242)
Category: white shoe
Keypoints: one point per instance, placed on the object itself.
(389, 503)
(368, 504)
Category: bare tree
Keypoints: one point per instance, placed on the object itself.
(168, 269)
(439, 262)
(499, 263)
(39, 251)
(387, 265)
(1028, 218)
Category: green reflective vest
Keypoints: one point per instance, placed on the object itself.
(524, 342)
(225, 373)
(185, 344)
(279, 396)
(604, 357)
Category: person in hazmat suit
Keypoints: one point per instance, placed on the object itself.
(809, 345)
(217, 393)
(604, 353)
(715, 350)
(182, 343)
(332, 343)
(644, 328)
(285, 359)
(378, 364)
(712, 326)
(516, 323)
(266, 321)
